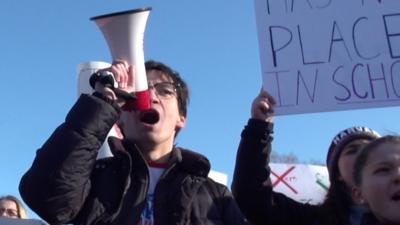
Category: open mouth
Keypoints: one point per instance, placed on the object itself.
(150, 117)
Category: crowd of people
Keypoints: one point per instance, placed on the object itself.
(150, 180)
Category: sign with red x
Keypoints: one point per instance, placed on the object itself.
(303, 183)
(281, 179)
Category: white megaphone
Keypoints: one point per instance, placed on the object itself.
(124, 32)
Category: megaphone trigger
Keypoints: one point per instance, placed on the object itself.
(124, 95)
(107, 79)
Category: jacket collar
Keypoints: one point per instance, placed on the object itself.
(189, 161)
(192, 162)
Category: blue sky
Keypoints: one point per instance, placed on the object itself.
(211, 43)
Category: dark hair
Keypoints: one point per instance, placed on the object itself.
(337, 200)
(362, 158)
(181, 87)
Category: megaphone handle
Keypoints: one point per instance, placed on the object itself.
(124, 95)
(107, 79)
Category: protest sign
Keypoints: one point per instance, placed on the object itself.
(325, 55)
(301, 182)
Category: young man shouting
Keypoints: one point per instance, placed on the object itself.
(148, 180)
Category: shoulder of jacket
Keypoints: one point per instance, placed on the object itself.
(193, 162)
(215, 190)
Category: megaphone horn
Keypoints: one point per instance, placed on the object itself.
(124, 32)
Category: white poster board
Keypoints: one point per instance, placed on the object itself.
(303, 183)
(326, 55)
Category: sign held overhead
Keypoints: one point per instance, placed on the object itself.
(325, 55)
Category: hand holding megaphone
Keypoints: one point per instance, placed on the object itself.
(115, 83)
(124, 32)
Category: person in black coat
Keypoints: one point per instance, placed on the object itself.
(252, 187)
(148, 180)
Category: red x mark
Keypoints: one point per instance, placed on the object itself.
(280, 178)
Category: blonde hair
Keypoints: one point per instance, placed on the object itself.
(20, 208)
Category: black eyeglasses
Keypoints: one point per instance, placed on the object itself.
(165, 90)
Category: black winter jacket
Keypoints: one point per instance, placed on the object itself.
(67, 185)
(259, 203)
(370, 219)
